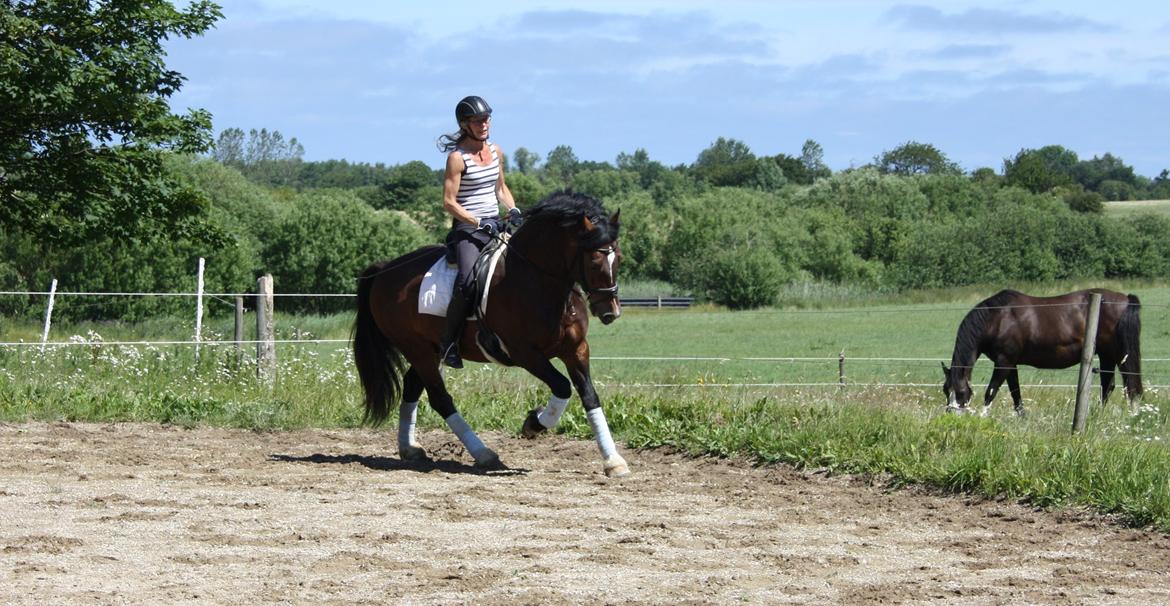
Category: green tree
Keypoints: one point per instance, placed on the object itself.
(229, 147)
(525, 160)
(794, 170)
(985, 175)
(404, 182)
(769, 176)
(1160, 187)
(326, 239)
(1091, 174)
(812, 159)
(1040, 170)
(561, 164)
(914, 158)
(727, 162)
(85, 123)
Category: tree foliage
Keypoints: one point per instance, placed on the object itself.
(326, 239)
(85, 124)
(1040, 170)
(727, 162)
(914, 158)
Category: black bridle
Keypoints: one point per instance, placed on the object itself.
(610, 291)
(583, 282)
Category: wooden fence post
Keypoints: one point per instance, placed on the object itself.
(265, 341)
(49, 314)
(1086, 378)
(841, 368)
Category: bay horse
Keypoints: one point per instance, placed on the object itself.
(564, 256)
(1012, 328)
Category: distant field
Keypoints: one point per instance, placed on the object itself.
(1120, 209)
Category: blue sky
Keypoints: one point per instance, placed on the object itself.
(377, 81)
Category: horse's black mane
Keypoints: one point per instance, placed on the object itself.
(566, 208)
(973, 324)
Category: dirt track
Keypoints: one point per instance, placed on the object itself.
(142, 514)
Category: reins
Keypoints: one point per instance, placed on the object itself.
(583, 281)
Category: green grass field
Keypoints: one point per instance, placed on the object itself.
(760, 384)
(1122, 209)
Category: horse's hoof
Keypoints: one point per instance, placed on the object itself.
(488, 460)
(1020, 413)
(532, 425)
(412, 453)
(954, 410)
(616, 467)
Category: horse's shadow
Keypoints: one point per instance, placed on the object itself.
(393, 464)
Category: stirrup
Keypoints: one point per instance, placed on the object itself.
(451, 357)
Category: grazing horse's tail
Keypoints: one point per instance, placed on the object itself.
(379, 362)
(1129, 330)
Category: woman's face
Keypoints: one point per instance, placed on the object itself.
(478, 126)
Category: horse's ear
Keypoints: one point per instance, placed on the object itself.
(946, 371)
(589, 226)
(614, 218)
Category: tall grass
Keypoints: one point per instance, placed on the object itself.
(721, 407)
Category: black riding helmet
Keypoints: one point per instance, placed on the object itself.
(471, 106)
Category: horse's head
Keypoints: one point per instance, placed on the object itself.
(599, 265)
(574, 231)
(956, 386)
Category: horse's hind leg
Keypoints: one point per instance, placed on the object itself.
(1013, 381)
(408, 447)
(1108, 378)
(440, 400)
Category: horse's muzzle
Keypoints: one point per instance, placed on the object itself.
(609, 316)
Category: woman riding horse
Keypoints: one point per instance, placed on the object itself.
(564, 257)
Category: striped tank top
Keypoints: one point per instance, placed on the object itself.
(477, 187)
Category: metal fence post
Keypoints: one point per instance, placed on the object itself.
(198, 308)
(49, 314)
(238, 332)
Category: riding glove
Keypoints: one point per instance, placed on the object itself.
(488, 227)
(515, 218)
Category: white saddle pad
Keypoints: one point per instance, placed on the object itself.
(435, 292)
(434, 295)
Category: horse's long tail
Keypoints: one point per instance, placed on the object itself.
(1129, 330)
(379, 362)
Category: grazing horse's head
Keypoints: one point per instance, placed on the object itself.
(956, 386)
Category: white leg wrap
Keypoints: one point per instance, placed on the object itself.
(407, 416)
(601, 433)
(551, 415)
(475, 447)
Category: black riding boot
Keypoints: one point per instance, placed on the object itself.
(456, 315)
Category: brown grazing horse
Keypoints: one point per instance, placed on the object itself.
(1013, 328)
(566, 253)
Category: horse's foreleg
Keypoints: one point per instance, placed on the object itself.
(440, 400)
(615, 466)
(408, 447)
(542, 419)
(997, 378)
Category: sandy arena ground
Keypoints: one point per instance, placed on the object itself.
(144, 514)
